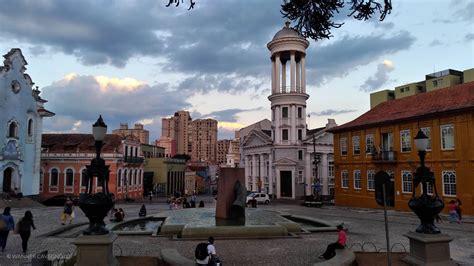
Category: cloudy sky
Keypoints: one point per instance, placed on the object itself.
(138, 61)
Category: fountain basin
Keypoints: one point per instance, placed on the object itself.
(139, 226)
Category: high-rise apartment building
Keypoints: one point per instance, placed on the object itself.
(138, 131)
(177, 128)
(204, 140)
(222, 150)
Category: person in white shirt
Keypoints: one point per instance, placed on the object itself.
(211, 250)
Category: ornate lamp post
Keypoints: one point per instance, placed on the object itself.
(96, 206)
(426, 207)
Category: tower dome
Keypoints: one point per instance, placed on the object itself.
(287, 32)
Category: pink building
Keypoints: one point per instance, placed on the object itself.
(169, 144)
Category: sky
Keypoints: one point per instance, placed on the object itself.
(139, 61)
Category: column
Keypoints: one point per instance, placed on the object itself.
(270, 173)
(283, 77)
(293, 124)
(262, 170)
(247, 171)
(292, 71)
(277, 73)
(298, 77)
(273, 76)
(303, 75)
(254, 172)
(308, 173)
(277, 124)
(324, 173)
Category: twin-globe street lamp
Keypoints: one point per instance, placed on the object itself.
(96, 206)
(426, 207)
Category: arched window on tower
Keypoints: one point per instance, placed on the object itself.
(13, 130)
(30, 127)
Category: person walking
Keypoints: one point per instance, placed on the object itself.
(150, 196)
(122, 213)
(142, 212)
(25, 224)
(458, 209)
(453, 214)
(340, 244)
(6, 225)
(201, 204)
(68, 211)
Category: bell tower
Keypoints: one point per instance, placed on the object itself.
(288, 97)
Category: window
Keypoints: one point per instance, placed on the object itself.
(343, 146)
(300, 155)
(344, 179)
(357, 180)
(53, 178)
(284, 134)
(356, 145)
(300, 177)
(369, 143)
(126, 151)
(405, 140)
(119, 178)
(437, 82)
(84, 178)
(12, 130)
(300, 112)
(429, 188)
(427, 132)
(371, 180)
(41, 180)
(407, 184)
(30, 127)
(69, 178)
(331, 169)
(449, 183)
(284, 112)
(300, 134)
(447, 137)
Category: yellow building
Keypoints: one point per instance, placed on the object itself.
(379, 97)
(165, 175)
(382, 139)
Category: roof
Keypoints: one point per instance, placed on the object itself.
(268, 132)
(286, 31)
(314, 130)
(82, 142)
(451, 99)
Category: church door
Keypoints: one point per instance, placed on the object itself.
(7, 180)
(286, 185)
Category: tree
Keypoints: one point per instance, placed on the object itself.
(314, 18)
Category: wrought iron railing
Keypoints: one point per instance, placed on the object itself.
(386, 156)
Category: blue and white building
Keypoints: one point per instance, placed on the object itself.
(21, 115)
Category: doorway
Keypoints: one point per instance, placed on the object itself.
(7, 180)
(286, 186)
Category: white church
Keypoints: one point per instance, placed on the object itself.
(279, 155)
(21, 115)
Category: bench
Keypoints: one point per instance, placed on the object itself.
(172, 257)
(344, 257)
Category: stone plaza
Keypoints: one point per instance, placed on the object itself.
(364, 226)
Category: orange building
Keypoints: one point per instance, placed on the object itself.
(64, 158)
(382, 139)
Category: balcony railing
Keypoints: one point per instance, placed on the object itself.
(133, 159)
(385, 156)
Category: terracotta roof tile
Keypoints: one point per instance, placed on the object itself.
(83, 142)
(451, 99)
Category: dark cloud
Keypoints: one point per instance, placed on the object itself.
(232, 83)
(83, 98)
(346, 54)
(435, 42)
(229, 115)
(469, 37)
(37, 50)
(332, 112)
(379, 78)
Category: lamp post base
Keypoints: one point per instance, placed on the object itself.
(429, 249)
(95, 250)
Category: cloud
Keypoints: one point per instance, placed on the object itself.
(78, 100)
(329, 112)
(379, 78)
(435, 42)
(229, 115)
(469, 37)
(348, 53)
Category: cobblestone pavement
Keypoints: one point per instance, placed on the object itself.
(364, 226)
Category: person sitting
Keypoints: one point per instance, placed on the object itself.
(117, 216)
(340, 244)
(201, 204)
(206, 253)
(142, 212)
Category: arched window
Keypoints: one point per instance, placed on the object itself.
(69, 178)
(30, 127)
(53, 178)
(126, 151)
(124, 179)
(41, 180)
(84, 178)
(12, 130)
(119, 178)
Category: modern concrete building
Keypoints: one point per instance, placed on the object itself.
(169, 144)
(434, 81)
(382, 140)
(64, 158)
(138, 131)
(177, 127)
(21, 119)
(279, 159)
(222, 150)
(204, 140)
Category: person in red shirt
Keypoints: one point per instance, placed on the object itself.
(340, 244)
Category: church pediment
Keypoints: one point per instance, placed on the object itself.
(285, 161)
(256, 138)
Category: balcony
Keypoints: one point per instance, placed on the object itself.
(384, 156)
(136, 160)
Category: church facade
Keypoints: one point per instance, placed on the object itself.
(22, 111)
(283, 158)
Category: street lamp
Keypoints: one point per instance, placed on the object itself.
(426, 207)
(96, 206)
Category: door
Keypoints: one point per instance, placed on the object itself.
(286, 185)
(7, 180)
